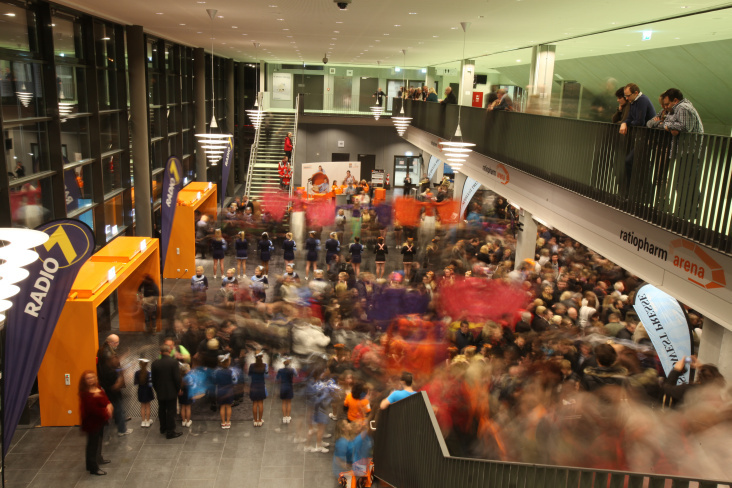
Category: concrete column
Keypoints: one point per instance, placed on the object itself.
(458, 184)
(199, 95)
(262, 84)
(136, 62)
(465, 97)
(541, 77)
(715, 347)
(525, 239)
(230, 123)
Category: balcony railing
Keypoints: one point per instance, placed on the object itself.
(682, 184)
(410, 452)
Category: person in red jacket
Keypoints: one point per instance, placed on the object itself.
(288, 146)
(285, 171)
(96, 410)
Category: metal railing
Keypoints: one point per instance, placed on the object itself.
(294, 147)
(410, 452)
(253, 154)
(682, 184)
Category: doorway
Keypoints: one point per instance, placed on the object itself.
(366, 99)
(342, 93)
(338, 157)
(312, 87)
(407, 165)
(368, 164)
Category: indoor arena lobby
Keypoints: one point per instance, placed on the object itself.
(359, 243)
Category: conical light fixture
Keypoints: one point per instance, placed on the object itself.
(457, 150)
(212, 143)
(24, 96)
(377, 109)
(256, 114)
(402, 122)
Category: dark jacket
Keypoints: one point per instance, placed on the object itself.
(641, 111)
(450, 98)
(166, 378)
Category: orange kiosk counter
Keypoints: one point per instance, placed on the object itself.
(196, 196)
(75, 341)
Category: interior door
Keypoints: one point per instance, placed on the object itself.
(312, 87)
(392, 91)
(368, 163)
(342, 93)
(366, 99)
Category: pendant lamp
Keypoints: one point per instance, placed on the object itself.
(214, 144)
(17, 252)
(377, 110)
(402, 122)
(456, 149)
(256, 114)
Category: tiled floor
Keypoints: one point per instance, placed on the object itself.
(205, 455)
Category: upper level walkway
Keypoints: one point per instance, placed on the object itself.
(656, 205)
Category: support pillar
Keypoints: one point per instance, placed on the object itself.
(230, 124)
(715, 347)
(199, 95)
(465, 97)
(525, 239)
(136, 62)
(459, 182)
(541, 77)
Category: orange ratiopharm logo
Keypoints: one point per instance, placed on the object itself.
(700, 267)
(502, 174)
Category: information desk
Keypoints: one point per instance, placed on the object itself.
(75, 340)
(182, 246)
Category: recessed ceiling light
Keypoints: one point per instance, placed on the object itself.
(245, 34)
(338, 22)
(435, 36)
(220, 16)
(332, 44)
(234, 27)
(280, 19)
(453, 28)
(386, 34)
(677, 38)
(627, 45)
(377, 40)
(158, 13)
(397, 25)
(289, 36)
(273, 6)
(518, 60)
(336, 32)
(412, 13)
(286, 29)
(200, 2)
(181, 24)
(106, 38)
(199, 32)
(334, 38)
(684, 6)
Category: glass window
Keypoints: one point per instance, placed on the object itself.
(107, 89)
(26, 150)
(173, 87)
(153, 90)
(173, 115)
(21, 90)
(78, 187)
(67, 38)
(71, 88)
(109, 132)
(157, 122)
(152, 53)
(157, 187)
(75, 139)
(112, 173)
(157, 154)
(31, 204)
(173, 145)
(17, 28)
(105, 45)
(113, 216)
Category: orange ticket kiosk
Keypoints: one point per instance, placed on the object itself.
(119, 266)
(181, 259)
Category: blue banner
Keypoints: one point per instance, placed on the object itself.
(172, 183)
(666, 324)
(226, 168)
(36, 309)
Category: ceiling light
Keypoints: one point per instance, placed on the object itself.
(386, 34)
(412, 13)
(684, 6)
(397, 25)
(435, 36)
(273, 6)
(234, 27)
(106, 38)
(647, 35)
(286, 29)
(10, 14)
(158, 13)
(181, 24)
(338, 22)
(280, 19)
(518, 60)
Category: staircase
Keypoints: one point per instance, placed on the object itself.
(268, 151)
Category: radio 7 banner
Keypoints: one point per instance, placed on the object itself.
(469, 188)
(172, 182)
(36, 309)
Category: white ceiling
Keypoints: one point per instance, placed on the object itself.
(294, 31)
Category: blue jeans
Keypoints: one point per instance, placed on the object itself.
(119, 416)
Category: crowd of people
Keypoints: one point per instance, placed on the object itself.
(542, 360)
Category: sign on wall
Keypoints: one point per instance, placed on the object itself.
(319, 177)
(282, 86)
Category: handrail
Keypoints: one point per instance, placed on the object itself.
(253, 152)
(680, 183)
(294, 146)
(410, 452)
